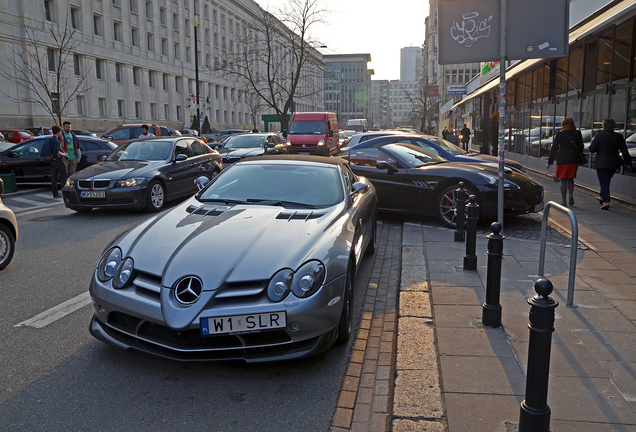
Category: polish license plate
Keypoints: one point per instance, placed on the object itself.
(93, 194)
(538, 207)
(243, 323)
(303, 153)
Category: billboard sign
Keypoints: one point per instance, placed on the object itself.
(457, 90)
(468, 30)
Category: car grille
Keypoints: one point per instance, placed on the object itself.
(93, 184)
(534, 198)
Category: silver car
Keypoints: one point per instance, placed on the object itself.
(8, 232)
(258, 265)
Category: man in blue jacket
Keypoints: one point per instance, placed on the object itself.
(70, 145)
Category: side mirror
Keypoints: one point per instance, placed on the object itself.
(387, 166)
(201, 182)
(330, 134)
(270, 145)
(13, 154)
(108, 137)
(180, 157)
(360, 187)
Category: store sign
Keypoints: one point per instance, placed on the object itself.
(457, 90)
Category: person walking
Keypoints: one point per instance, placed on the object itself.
(70, 145)
(145, 132)
(53, 149)
(465, 133)
(606, 145)
(567, 147)
(445, 134)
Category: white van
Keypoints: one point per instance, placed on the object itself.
(358, 125)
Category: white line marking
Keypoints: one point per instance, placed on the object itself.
(45, 195)
(27, 201)
(57, 312)
(31, 209)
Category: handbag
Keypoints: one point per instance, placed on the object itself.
(583, 159)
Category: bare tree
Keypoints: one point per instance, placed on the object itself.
(425, 102)
(255, 106)
(45, 72)
(275, 59)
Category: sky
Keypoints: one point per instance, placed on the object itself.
(379, 28)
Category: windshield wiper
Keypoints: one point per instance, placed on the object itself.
(223, 200)
(281, 203)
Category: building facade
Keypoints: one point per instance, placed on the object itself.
(347, 86)
(411, 63)
(138, 61)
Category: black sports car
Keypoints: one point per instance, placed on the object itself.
(143, 173)
(26, 162)
(409, 179)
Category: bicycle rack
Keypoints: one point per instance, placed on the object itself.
(575, 242)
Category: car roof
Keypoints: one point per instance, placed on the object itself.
(294, 159)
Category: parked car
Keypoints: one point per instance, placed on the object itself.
(240, 146)
(259, 265)
(410, 179)
(25, 159)
(343, 139)
(362, 137)
(143, 173)
(123, 133)
(225, 133)
(36, 131)
(189, 132)
(446, 149)
(8, 231)
(16, 136)
(84, 132)
(174, 132)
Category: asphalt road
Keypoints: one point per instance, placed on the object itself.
(58, 377)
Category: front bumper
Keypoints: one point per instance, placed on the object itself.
(130, 198)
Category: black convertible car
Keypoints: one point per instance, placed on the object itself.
(143, 173)
(409, 179)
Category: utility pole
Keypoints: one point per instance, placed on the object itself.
(196, 67)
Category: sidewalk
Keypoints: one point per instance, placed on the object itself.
(452, 373)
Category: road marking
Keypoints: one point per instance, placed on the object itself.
(27, 201)
(57, 312)
(45, 195)
(30, 210)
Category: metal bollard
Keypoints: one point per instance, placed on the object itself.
(460, 208)
(491, 310)
(470, 259)
(535, 412)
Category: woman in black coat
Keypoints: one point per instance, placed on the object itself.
(567, 147)
(606, 145)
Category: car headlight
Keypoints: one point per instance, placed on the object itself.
(492, 180)
(70, 183)
(124, 274)
(108, 265)
(280, 285)
(321, 143)
(489, 178)
(129, 182)
(308, 279)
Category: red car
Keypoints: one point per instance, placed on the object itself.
(16, 136)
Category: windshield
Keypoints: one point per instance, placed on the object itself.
(145, 150)
(307, 127)
(415, 157)
(447, 146)
(276, 184)
(245, 141)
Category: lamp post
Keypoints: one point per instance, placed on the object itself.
(196, 67)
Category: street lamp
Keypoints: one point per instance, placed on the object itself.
(196, 67)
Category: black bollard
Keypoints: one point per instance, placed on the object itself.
(470, 259)
(460, 210)
(535, 412)
(491, 310)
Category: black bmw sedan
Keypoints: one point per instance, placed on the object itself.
(240, 146)
(410, 179)
(143, 173)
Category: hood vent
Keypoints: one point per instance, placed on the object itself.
(300, 215)
(205, 211)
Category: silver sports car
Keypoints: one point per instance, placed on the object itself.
(258, 265)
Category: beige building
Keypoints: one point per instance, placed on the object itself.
(138, 59)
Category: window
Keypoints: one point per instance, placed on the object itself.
(136, 76)
(117, 31)
(165, 81)
(153, 111)
(50, 54)
(164, 46)
(149, 10)
(101, 106)
(97, 25)
(151, 79)
(118, 72)
(98, 68)
(135, 37)
(151, 42)
(79, 103)
(55, 103)
(137, 109)
(166, 112)
(133, 6)
(187, 27)
(175, 22)
(177, 53)
(120, 108)
(162, 16)
(75, 18)
(116, 3)
(77, 70)
(178, 112)
(48, 14)
(188, 55)
(177, 84)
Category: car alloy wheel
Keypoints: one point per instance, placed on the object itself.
(156, 197)
(346, 317)
(447, 205)
(7, 246)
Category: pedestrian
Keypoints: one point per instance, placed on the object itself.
(70, 145)
(41, 131)
(445, 133)
(145, 132)
(607, 145)
(255, 130)
(567, 147)
(52, 151)
(465, 133)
